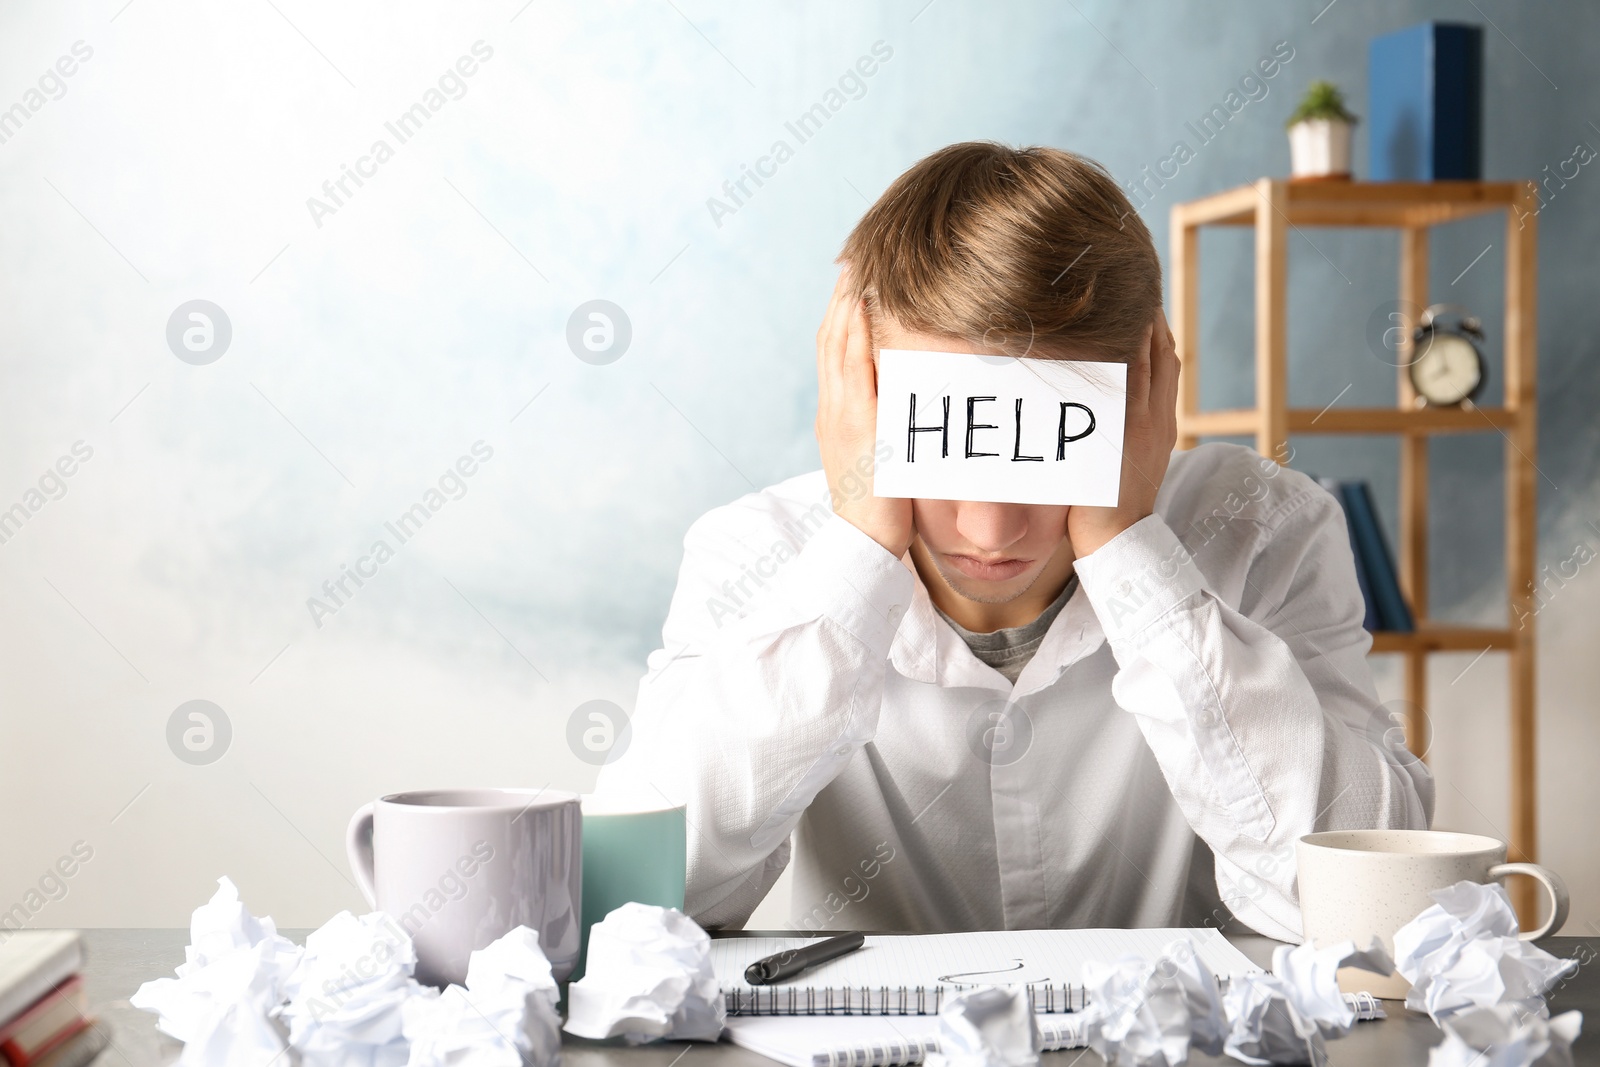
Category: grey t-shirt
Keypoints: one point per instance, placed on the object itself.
(1009, 650)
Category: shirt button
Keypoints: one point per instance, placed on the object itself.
(895, 612)
(1124, 587)
(842, 750)
(1207, 719)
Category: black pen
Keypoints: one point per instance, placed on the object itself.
(792, 961)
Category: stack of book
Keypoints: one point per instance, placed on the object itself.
(44, 1014)
(1380, 583)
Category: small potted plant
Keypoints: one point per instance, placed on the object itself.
(1319, 134)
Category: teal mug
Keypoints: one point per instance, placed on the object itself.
(631, 853)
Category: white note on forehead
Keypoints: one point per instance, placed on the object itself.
(960, 426)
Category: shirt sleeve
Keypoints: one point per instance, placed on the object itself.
(758, 701)
(1265, 721)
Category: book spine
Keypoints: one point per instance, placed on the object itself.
(52, 1019)
(57, 956)
(1457, 102)
(1369, 620)
(1399, 117)
(1392, 608)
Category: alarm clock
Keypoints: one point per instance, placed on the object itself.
(1447, 365)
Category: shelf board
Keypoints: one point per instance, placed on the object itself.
(1278, 212)
(1239, 422)
(1354, 203)
(1437, 637)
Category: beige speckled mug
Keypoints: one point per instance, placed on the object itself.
(1356, 883)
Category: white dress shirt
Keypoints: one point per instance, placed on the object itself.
(1201, 702)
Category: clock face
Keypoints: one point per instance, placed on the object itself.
(1447, 369)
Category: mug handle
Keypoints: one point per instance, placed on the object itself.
(1559, 901)
(358, 846)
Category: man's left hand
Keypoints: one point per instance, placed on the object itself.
(1148, 437)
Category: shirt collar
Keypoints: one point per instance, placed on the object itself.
(926, 649)
(1075, 635)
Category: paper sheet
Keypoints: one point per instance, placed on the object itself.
(1150, 1011)
(1506, 1036)
(988, 1027)
(1287, 1016)
(647, 977)
(228, 987)
(505, 1016)
(952, 962)
(960, 426)
(1463, 952)
(245, 996)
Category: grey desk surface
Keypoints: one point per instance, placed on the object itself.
(119, 960)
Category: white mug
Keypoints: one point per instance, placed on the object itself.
(460, 868)
(1356, 883)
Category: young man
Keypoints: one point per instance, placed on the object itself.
(954, 715)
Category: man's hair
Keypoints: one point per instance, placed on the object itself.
(1034, 251)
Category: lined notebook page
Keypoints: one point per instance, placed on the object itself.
(991, 957)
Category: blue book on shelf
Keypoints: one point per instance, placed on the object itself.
(1336, 488)
(1425, 103)
(1393, 612)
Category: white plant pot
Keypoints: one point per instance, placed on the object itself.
(1319, 148)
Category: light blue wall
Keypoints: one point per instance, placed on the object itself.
(373, 350)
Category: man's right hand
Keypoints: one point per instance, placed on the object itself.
(847, 421)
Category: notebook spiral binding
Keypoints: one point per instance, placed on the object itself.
(882, 1000)
(1366, 1006)
(923, 1000)
(913, 1051)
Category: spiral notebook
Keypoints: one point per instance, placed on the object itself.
(913, 974)
(869, 1040)
(901, 1041)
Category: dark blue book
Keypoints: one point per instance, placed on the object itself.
(1336, 489)
(1425, 103)
(1362, 513)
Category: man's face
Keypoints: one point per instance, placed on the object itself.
(990, 553)
(985, 552)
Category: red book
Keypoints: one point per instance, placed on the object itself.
(53, 1018)
(33, 962)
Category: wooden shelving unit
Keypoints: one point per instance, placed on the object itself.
(1273, 207)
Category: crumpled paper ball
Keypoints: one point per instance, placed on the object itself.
(647, 976)
(992, 1026)
(1506, 1036)
(1144, 1013)
(1463, 952)
(345, 998)
(505, 1016)
(1288, 1015)
(348, 999)
(230, 982)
